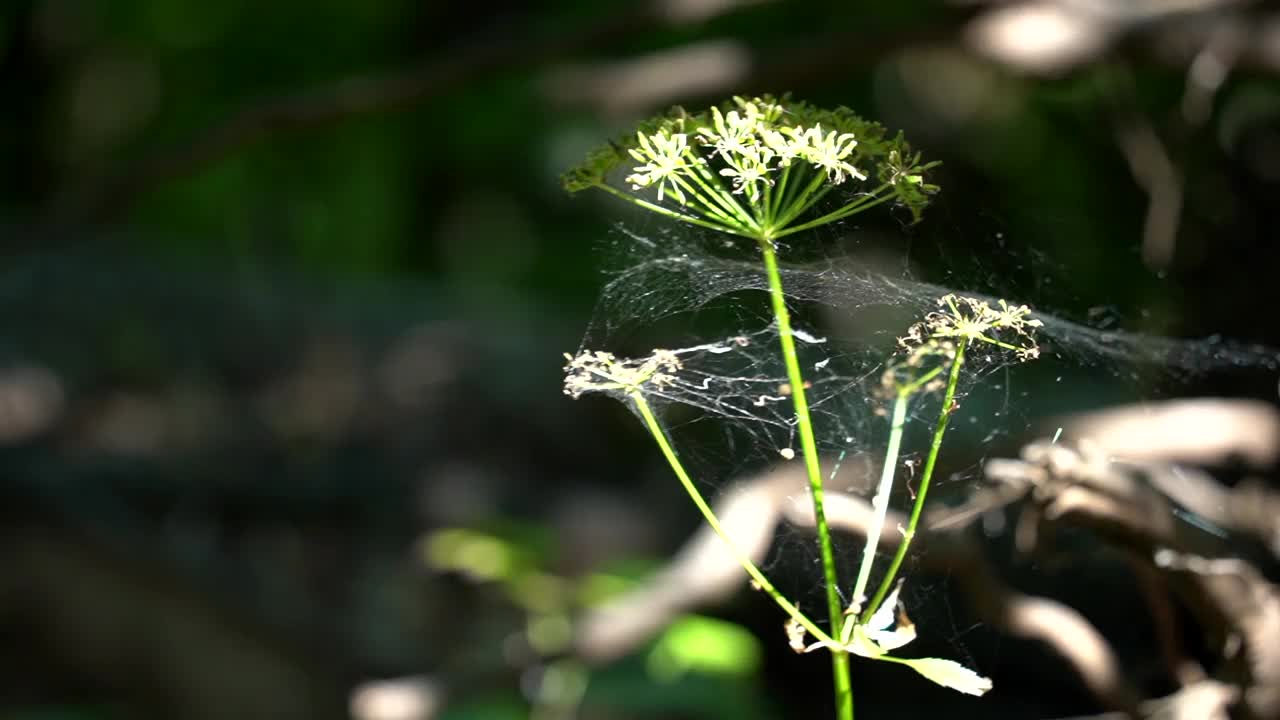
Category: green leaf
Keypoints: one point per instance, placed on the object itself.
(699, 644)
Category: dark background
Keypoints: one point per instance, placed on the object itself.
(286, 285)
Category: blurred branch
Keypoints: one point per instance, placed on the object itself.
(1059, 626)
(1155, 173)
(1209, 37)
(1238, 609)
(704, 570)
(1052, 37)
(714, 68)
(1172, 522)
(1226, 42)
(1150, 162)
(1202, 431)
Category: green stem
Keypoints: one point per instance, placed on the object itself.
(779, 194)
(710, 209)
(715, 185)
(762, 208)
(794, 186)
(709, 515)
(944, 417)
(797, 205)
(724, 202)
(841, 213)
(801, 208)
(839, 661)
(743, 232)
(880, 502)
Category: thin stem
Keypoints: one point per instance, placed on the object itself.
(716, 186)
(944, 417)
(843, 687)
(676, 215)
(1001, 345)
(800, 208)
(793, 186)
(841, 213)
(880, 503)
(798, 204)
(919, 382)
(717, 203)
(711, 209)
(764, 213)
(709, 515)
(779, 195)
(839, 661)
(721, 206)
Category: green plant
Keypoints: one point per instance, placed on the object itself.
(934, 345)
(765, 169)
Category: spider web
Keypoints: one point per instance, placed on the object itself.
(728, 409)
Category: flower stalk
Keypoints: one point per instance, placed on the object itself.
(942, 338)
(809, 448)
(944, 418)
(603, 372)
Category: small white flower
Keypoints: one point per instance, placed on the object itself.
(734, 134)
(599, 371)
(664, 157)
(974, 319)
(748, 170)
(784, 148)
(829, 152)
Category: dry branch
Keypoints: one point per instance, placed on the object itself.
(1173, 522)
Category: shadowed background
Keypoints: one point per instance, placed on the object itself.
(286, 286)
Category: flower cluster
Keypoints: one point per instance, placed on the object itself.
(1010, 327)
(664, 158)
(747, 148)
(751, 144)
(597, 371)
